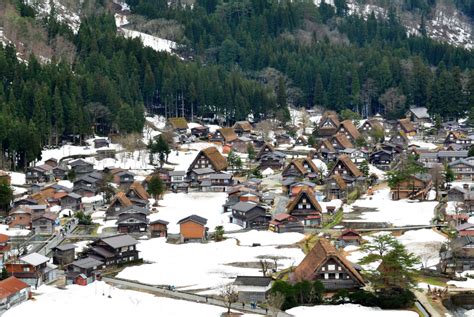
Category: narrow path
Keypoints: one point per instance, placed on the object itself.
(186, 296)
(426, 304)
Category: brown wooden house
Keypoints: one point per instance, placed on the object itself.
(209, 158)
(158, 228)
(136, 190)
(223, 135)
(328, 124)
(416, 186)
(193, 228)
(265, 149)
(325, 264)
(341, 142)
(285, 223)
(118, 203)
(177, 124)
(348, 128)
(349, 237)
(305, 208)
(346, 169)
(301, 168)
(242, 127)
(406, 126)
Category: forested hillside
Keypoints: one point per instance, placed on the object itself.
(240, 58)
(329, 58)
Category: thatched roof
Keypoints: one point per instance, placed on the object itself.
(343, 141)
(262, 149)
(327, 145)
(218, 162)
(305, 192)
(243, 126)
(350, 128)
(340, 181)
(318, 256)
(139, 190)
(122, 199)
(228, 134)
(178, 123)
(346, 161)
(406, 125)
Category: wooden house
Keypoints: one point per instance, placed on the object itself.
(399, 139)
(419, 115)
(223, 135)
(242, 128)
(124, 178)
(336, 187)
(368, 127)
(39, 174)
(349, 237)
(44, 223)
(381, 159)
(64, 254)
(328, 125)
(83, 271)
(158, 228)
(285, 223)
(200, 131)
(136, 190)
(13, 291)
(463, 170)
(459, 257)
(457, 194)
(81, 167)
(71, 201)
(114, 250)
(305, 208)
(20, 218)
(416, 186)
(249, 215)
(325, 264)
(99, 143)
(209, 158)
(196, 176)
(301, 168)
(266, 148)
(193, 228)
(348, 128)
(177, 124)
(345, 168)
(118, 203)
(32, 269)
(274, 160)
(217, 182)
(327, 150)
(341, 142)
(252, 289)
(406, 126)
(132, 222)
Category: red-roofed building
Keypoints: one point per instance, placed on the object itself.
(13, 291)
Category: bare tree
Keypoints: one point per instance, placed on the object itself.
(437, 177)
(229, 295)
(392, 100)
(275, 301)
(305, 121)
(265, 127)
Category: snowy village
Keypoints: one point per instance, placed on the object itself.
(236, 158)
(205, 214)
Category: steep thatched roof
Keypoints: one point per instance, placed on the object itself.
(218, 161)
(178, 123)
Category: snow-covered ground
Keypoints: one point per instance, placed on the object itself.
(397, 212)
(267, 238)
(176, 206)
(156, 43)
(17, 178)
(347, 310)
(424, 145)
(424, 243)
(99, 298)
(4, 229)
(202, 265)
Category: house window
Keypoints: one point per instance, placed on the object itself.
(26, 269)
(331, 267)
(332, 276)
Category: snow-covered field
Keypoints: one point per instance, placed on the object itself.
(267, 238)
(347, 310)
(4, 229)
(156, 43)
(205, 265)
(424, 243)
(94, 300)
(176, 206)
(399, 213)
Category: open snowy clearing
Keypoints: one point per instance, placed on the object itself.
(94, 300)
(267, 238)
(176, 206)
(347, 310)
(397, 212)
(202, 265)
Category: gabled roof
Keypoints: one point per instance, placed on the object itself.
(406, 125)
(351, 128)
(319, 254)
(159, 221)
(243, 125)
(261, 281)
(119, 241)
(346, 161)
(34, 259)
(262, 149)
(122, 199)
(304, 192)
(343, 140)
(228, 134)
(420, 112)
(328, 145)
(79, 162)
(339, 181)
(245, 206)
(218, 162)
(87, 263)
(10, 286)
(178, 123)
(64, 247)
(194, 218)
(375, 124)
(139, 190)
(330, 116)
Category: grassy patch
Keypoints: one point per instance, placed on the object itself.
(336, 219)
(307, 244)
(433, 280)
